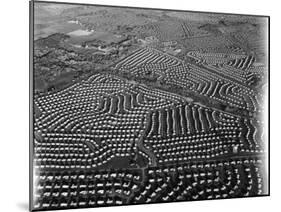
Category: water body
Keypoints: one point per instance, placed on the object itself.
(80, 32)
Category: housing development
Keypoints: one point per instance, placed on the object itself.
(147, 105)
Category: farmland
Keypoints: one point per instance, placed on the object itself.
(139, 106)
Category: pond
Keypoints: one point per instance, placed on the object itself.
(80, 32)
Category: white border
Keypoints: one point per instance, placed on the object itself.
(14, 104)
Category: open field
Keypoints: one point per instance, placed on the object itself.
(139, 106)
